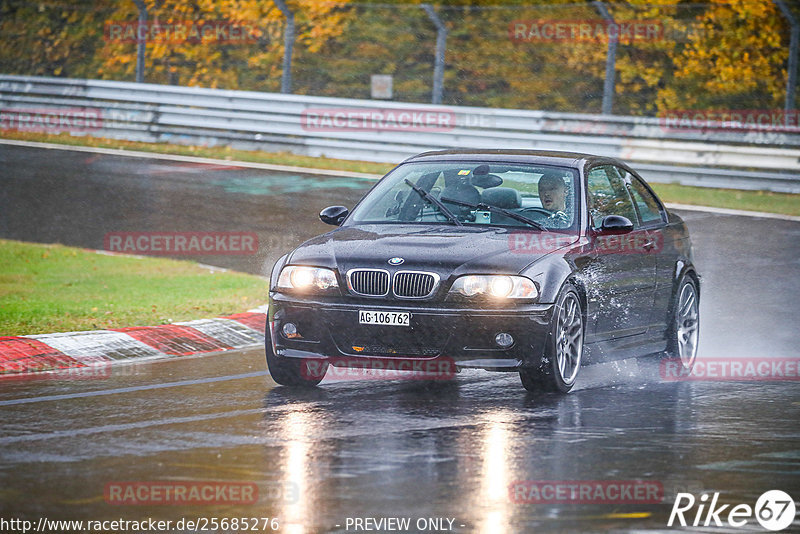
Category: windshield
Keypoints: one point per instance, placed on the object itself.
(473, 193)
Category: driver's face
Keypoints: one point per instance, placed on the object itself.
(553, 196)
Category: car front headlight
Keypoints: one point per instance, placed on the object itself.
(304, 278)
(496, 286)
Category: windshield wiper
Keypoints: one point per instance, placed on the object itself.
(495, 209)
(435, 201)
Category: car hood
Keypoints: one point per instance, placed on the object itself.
(446, 250)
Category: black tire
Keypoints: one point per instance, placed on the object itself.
(294, 371)
(550, 377)
(683, 332)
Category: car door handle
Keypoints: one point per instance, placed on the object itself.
(649, 245)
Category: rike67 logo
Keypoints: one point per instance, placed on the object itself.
(774, 510)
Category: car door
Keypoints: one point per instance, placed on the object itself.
(653, 220)
(620, 277)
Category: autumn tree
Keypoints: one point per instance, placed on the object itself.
(719, 54)
(218, 63)
(737, 61)
(52, 39)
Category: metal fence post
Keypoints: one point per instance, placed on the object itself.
(288, 47)
(611, 58)
(441, 47)
(791, 82)
(140, 43)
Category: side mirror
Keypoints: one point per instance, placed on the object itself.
(616, 224)
(334, 215)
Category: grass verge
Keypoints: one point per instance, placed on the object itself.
(766, 201)
(53, 288)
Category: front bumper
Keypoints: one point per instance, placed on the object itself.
(329, 329)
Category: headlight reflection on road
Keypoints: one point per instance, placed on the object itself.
(295, 513)
(495, 473)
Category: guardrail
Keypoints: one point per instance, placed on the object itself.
(744, 158)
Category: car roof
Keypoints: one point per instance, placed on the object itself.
(553, 157)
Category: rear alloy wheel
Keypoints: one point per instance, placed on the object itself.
(564, 348)
(294, 371)
(685, 327)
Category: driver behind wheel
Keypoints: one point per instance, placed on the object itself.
(553, 193)
(553, 196)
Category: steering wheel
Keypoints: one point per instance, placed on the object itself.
(553, 215)
(543, 211)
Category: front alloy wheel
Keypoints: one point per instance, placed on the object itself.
(564, 348)
(686, 324)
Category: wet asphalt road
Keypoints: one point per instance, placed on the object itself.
(368, 448)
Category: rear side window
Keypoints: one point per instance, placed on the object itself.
(647, 204)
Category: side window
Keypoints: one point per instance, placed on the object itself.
(608, 195)
(647, 204)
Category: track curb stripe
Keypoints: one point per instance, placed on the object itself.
(21, 355)
(175, 340)
(254, 320)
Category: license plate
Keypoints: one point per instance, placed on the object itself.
(387, 318)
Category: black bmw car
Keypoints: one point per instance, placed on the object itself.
(523, 261)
